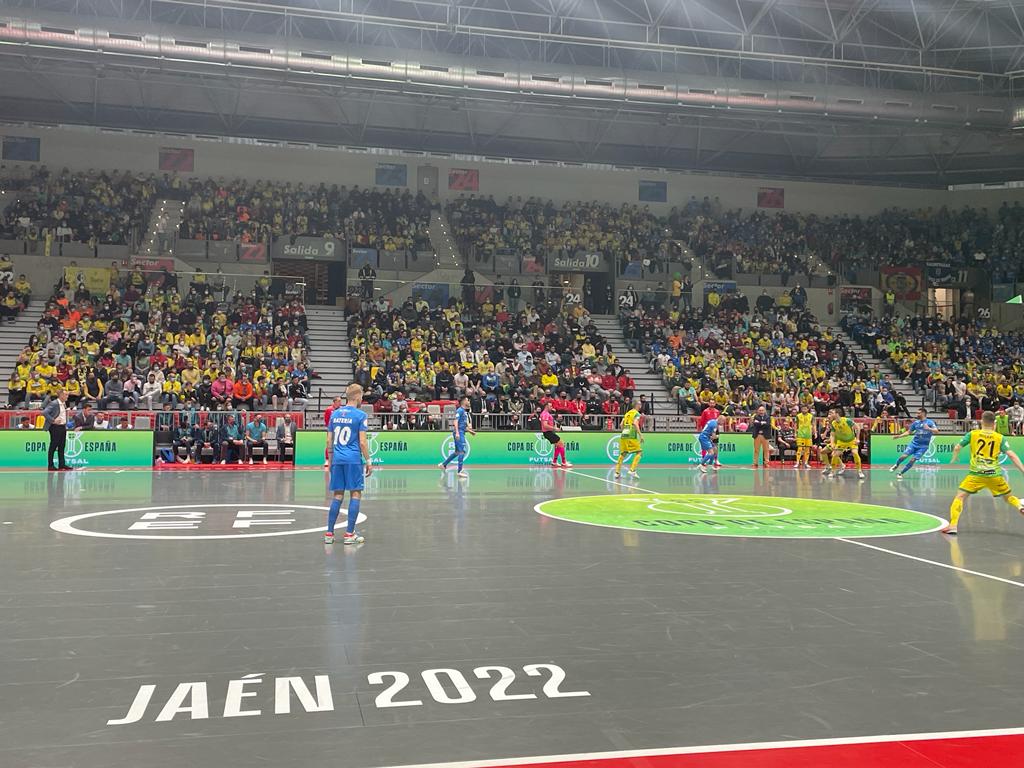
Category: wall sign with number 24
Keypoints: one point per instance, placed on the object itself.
(450, 686)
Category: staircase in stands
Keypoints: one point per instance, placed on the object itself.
(330, 356)
(445, 249)
(170, 212)
(14, 337)
(647, 383)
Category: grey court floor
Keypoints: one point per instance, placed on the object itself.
(470, 627)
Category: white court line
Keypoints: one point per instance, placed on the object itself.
(711, 749)
(858, 543)
(933, 562)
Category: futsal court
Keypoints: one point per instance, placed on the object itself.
(196, 618)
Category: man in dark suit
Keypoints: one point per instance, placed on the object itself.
(55, 421)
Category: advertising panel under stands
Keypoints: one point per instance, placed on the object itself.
(521, 449)
(27, 449)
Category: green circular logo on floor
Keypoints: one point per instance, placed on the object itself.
(749, 516)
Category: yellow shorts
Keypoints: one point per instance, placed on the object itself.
(627, 445)
(846, 445)
(996, 484)
(803, 442)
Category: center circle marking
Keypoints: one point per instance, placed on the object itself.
(762, 517)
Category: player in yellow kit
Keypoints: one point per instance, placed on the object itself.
(804, 436)
(987, 449)
(844, 438)
(630, 442)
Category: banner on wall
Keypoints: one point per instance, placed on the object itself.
(721, 287)
(149, 264)
(581, 261)
(905, 282)
(942, 274)
(22, 149)
(653, 191)
(464, 179)
(522, 449)
(885, 450)
(391, 175)
(27, 449)
(771, 197)
(854, 297)
(360, 257)
(252, 252)
(435, 294)
(95, 279)
(310, 248)
(177, 159)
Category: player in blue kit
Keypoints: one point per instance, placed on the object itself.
(922, 430)
(350, 463)
(708, 445)
(460, 428)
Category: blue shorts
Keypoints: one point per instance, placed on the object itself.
(347, 477)
(705, 443)
(459, 446)
(916, 450)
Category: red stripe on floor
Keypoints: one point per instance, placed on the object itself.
(986, 751)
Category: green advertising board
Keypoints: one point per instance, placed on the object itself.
(27, 449)
(885, 450)
(526, 448)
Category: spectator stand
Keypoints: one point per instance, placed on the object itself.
(420, 346)
(193, 344)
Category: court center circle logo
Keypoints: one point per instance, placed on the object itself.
(740, 516)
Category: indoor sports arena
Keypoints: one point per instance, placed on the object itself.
(492, 383)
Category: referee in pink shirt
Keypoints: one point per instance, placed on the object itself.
(547, 428)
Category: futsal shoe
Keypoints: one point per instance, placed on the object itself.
(826, 470)
(352, 538)
(618, 475)
(900, 477)
(949, 530)
(566, 465)
(841, 471)
(633, 475)
(894, 467)
(702, 468)
(328, 538)
(554, 464)
(861, 475)
(462, 473)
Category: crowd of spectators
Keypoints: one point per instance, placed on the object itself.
(776, 357)
(508, 363)
(111, 207)
(535, 227)
(762, 242)
(792, 244)
(151, 343)
(260, 211)
(962, 366)
(15, 292)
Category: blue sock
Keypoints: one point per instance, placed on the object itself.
(332, 515)
(899, 461)
(907, 468)
(448, 461)
(460, 461)
(353, 513)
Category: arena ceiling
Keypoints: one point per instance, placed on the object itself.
(896, 91)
